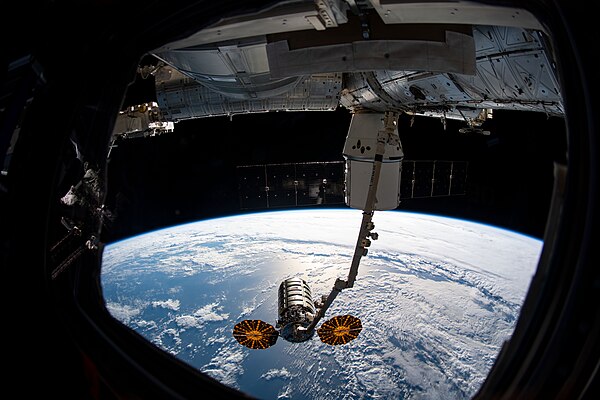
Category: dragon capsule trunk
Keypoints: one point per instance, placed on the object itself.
(360, 154)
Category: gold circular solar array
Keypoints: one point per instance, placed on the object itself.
(340, 330)
(255, 334)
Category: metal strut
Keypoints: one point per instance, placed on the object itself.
(366, 226)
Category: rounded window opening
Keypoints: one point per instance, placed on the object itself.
(243, 186)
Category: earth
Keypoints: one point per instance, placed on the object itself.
(437, 297)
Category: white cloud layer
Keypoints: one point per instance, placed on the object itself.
(437, 298)
(210, 313)
(169, 304)
(122, 312)
(227, 365)
(282, 373)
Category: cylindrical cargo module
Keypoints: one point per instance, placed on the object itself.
(296, 310)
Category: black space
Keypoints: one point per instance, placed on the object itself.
(190, 174)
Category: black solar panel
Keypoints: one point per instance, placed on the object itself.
(321, 183)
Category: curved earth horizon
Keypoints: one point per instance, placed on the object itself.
(437, 298)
